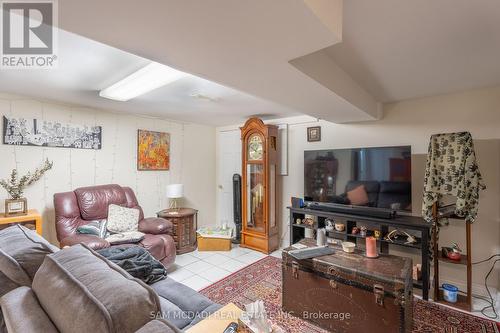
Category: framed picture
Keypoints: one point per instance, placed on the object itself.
(15, 207)
(314, 134)
(153, 150)
(46, 133)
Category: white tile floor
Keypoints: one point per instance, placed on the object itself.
(198, 270)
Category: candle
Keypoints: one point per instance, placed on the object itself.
(371, 247)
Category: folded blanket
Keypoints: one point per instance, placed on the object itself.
(137, 261)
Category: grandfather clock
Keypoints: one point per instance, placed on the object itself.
(260, 157)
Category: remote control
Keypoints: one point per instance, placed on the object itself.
(311, 252)
(232, 328)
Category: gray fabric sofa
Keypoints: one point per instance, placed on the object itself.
(44, 289)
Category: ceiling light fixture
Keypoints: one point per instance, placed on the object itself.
(146, 79)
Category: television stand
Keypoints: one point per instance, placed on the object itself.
(407, 223)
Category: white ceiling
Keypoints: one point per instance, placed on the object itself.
(246, 45)
(86, 66)
(298, 56)
(405, 49)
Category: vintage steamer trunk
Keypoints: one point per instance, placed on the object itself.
(376, 293)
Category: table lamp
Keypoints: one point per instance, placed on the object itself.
(174, 192)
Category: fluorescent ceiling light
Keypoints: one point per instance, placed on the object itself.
(146, 79)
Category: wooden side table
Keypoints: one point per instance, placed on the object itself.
(33, 216)
(185, 221)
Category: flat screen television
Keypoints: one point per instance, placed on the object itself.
(377, 177)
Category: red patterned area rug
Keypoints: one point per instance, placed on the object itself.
(262, 280)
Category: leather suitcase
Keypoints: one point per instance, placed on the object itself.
(348, 292)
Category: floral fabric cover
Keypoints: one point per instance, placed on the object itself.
(452, 170)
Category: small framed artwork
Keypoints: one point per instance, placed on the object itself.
(153, 151)
(314, 134)
(15, 207)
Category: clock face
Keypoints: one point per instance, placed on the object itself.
(255, 148)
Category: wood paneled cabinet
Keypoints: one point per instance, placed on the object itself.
(185, 224)
(259, 179)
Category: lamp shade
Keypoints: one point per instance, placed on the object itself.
(175, 191)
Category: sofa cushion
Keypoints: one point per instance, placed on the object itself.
(93, 201)
(122, 219)
(6, 284)
(155, 244)
(22, 312)
(22, 251)
(91, 241)
(372, 188)
(12, 271)
(394, 193)
(155, 226)
(182, 305)
(98, 296)
(358, 196)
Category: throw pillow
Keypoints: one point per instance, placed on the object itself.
(358, 196)
(97, 228)
(22, 251)
(126, 237)
(13, 271)
(121, 219)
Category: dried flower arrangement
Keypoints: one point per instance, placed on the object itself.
(16, 185)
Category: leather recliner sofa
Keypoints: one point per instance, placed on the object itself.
(86, 204)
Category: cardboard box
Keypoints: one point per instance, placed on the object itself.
(213, 244)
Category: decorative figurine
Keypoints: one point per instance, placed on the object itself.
(329, 225)
(339, 226)
(455, 248)
(362, 231)
(396, 234)
(308, 221)
(454, 252)
(377, 234)
(355, 230)
(298, 221)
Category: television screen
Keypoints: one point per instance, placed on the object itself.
(373, 177)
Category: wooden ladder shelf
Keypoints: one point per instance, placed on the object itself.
(464, 301)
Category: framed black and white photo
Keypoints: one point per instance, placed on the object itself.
(314, 134)
(45, 133)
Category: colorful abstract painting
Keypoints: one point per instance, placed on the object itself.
(153, 150)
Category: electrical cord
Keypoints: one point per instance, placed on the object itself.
(485, 260)
(488, 299)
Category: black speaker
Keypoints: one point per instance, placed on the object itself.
(237, 207)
